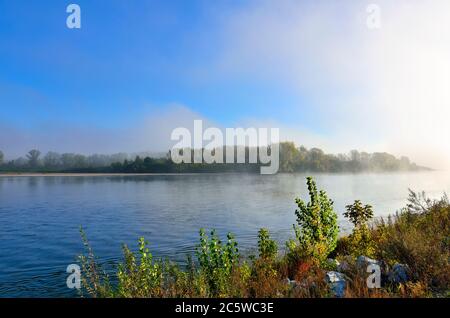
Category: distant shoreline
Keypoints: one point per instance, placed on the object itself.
(123, 174)
(81, 174)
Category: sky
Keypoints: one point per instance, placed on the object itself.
(138, 69)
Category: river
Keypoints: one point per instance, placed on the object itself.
(40, 216)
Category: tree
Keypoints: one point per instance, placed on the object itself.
(68, 160)
(317, 227)
(360, 240)
(267, 247)
(355, 155)
(33, 157)
(358, 214)
(365, 160)
(288, 156)
(317, 159)
(19, 162)
(217, 260)
(79, 161)
(52, 159)
(384, 162)
(1, 157)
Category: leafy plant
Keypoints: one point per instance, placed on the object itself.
(217, 261)
(142, 277)
(267, 247)
(358, 214)
(418, 240)
(94, 280)
(360, 241)
(317, 227)
(419, 202)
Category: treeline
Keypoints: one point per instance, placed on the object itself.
(292, 159)
(300, 159)
(35, 161)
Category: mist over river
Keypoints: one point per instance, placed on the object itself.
(40, 216)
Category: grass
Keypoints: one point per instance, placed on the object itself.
(418, 236)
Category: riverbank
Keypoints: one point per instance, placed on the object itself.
(57, 174)
(406, 255)
(41, 216)
(124, 174)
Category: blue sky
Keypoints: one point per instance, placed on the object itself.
(128, 56)
(136, 69)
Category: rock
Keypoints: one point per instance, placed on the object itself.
(363, 261)
(398, 274)
(337, 282)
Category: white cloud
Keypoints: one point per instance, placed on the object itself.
(386, 87)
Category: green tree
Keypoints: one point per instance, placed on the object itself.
(317, 227)
(288, 156)
(140, 275)
(358, 214)
(1, 157)
(217, 260)
(51, 159)
(267, 247)
(360, 239)
(33, 157)
(68, 160)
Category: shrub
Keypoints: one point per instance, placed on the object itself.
(358, 214)
(266, 280)
(317, 227)
(360, 241)
(267, 247)
(140, 278)
(94, 280)
(310, 280)
(217, 261)
(418, 238)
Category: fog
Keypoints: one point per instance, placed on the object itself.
(150, 134)
(383, 89)
(374, 90)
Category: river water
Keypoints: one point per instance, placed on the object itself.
(40, 216)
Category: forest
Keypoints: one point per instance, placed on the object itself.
(292, 159)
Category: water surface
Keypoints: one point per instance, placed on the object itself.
(40, 216)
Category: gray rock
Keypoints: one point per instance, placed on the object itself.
(363, 261)
(337, 283)
(398, 274)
